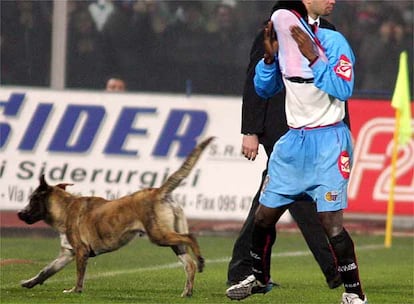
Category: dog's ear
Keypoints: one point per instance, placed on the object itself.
(42, 181)
(63, 186)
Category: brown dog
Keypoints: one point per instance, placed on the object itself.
(90, 226)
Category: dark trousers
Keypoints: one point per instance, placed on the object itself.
(306, 217)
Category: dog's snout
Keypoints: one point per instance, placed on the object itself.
(24, 216)
(21, 215)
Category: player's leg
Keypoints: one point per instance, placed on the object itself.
(344, 249)
(281, 178)
(334, 160)
(240, 266)
(263, 238)
(306, 217)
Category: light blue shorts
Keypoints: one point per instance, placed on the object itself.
(312, 161)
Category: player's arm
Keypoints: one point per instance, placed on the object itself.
(335, 77)
(335, 74)
(268, 79)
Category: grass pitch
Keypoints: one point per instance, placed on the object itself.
(144, 273)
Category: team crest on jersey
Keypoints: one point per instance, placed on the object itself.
(344, 68)
(344, 164)
(331, 196)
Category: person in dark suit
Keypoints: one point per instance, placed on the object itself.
(264, 122)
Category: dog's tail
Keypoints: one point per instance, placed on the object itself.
(175, 179)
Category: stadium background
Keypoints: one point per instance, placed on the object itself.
(188, 55)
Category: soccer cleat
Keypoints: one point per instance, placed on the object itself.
(274, 284)
(353, 298)
(248, 287)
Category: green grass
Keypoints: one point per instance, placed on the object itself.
(144, 273)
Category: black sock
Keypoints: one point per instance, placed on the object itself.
(261, 251)
(343, 247)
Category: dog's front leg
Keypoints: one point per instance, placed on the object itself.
(65, 257)
(81, 255)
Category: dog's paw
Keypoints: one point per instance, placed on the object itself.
(187, 294)
(29, 283)
(72, 290)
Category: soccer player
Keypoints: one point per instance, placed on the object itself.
(264, 122)
(315, 66)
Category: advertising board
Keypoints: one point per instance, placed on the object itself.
(114, 144)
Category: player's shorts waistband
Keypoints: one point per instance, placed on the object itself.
(300, 79)
(337, 124)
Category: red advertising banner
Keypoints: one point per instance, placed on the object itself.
(372, 126)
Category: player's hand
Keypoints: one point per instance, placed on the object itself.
(306, 46)
(270, 43)
(250, 146)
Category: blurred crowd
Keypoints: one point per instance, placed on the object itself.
(199, 47)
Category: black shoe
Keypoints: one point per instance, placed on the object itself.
(335, 282)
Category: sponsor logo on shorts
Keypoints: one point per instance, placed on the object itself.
(344, 68)
(344, 164)
(331, 196)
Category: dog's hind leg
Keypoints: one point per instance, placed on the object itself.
(181, 226)
(171, 238)
(189, 268)
(196, 250)
(180, 221)
(66, 256)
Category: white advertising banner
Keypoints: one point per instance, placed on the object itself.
(110, 145)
